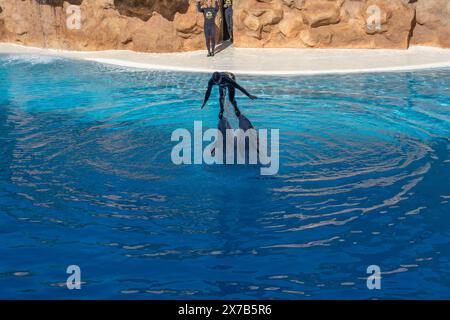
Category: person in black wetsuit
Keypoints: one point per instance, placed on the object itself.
(228, 5)
(225, 80)
(209, 13)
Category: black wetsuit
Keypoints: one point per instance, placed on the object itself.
(228, 5)
(227, 81)
(209, 13)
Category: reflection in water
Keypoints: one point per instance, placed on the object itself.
(87, 179)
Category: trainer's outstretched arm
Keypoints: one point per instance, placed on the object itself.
(208, 93)
(199, 7)
(237, 86)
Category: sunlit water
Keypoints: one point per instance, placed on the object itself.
(86, 179)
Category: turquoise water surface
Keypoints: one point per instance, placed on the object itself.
(86, 179)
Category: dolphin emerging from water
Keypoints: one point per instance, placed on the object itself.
(223, 126)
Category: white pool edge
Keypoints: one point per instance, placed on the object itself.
(146, 66)
(130, 59)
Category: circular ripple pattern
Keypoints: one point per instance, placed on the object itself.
(86, 178)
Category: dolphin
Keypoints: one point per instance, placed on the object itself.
(223, 126)
(245, 125)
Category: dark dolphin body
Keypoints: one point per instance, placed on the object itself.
(223, 126)
(245, 124)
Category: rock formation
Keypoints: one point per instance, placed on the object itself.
(175, 25)
(325, 23)
(139, 25)
(432, 23)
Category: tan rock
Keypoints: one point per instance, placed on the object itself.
(252, 22)
(327, 23)
(141, 25)
(433, 23)
(290, 27)
(175, 25)
(318, 13)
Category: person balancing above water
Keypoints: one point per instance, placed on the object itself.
(209, 13)
(225, 80)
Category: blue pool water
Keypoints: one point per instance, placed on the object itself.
(86, 179)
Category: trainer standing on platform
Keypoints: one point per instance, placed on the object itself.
(209, 13)
(228, 5)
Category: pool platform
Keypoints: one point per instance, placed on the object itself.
(262, 61)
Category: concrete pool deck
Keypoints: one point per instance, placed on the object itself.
(262, 61)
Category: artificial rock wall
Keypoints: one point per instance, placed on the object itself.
(175, 25)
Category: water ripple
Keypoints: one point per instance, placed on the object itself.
(86, 173)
